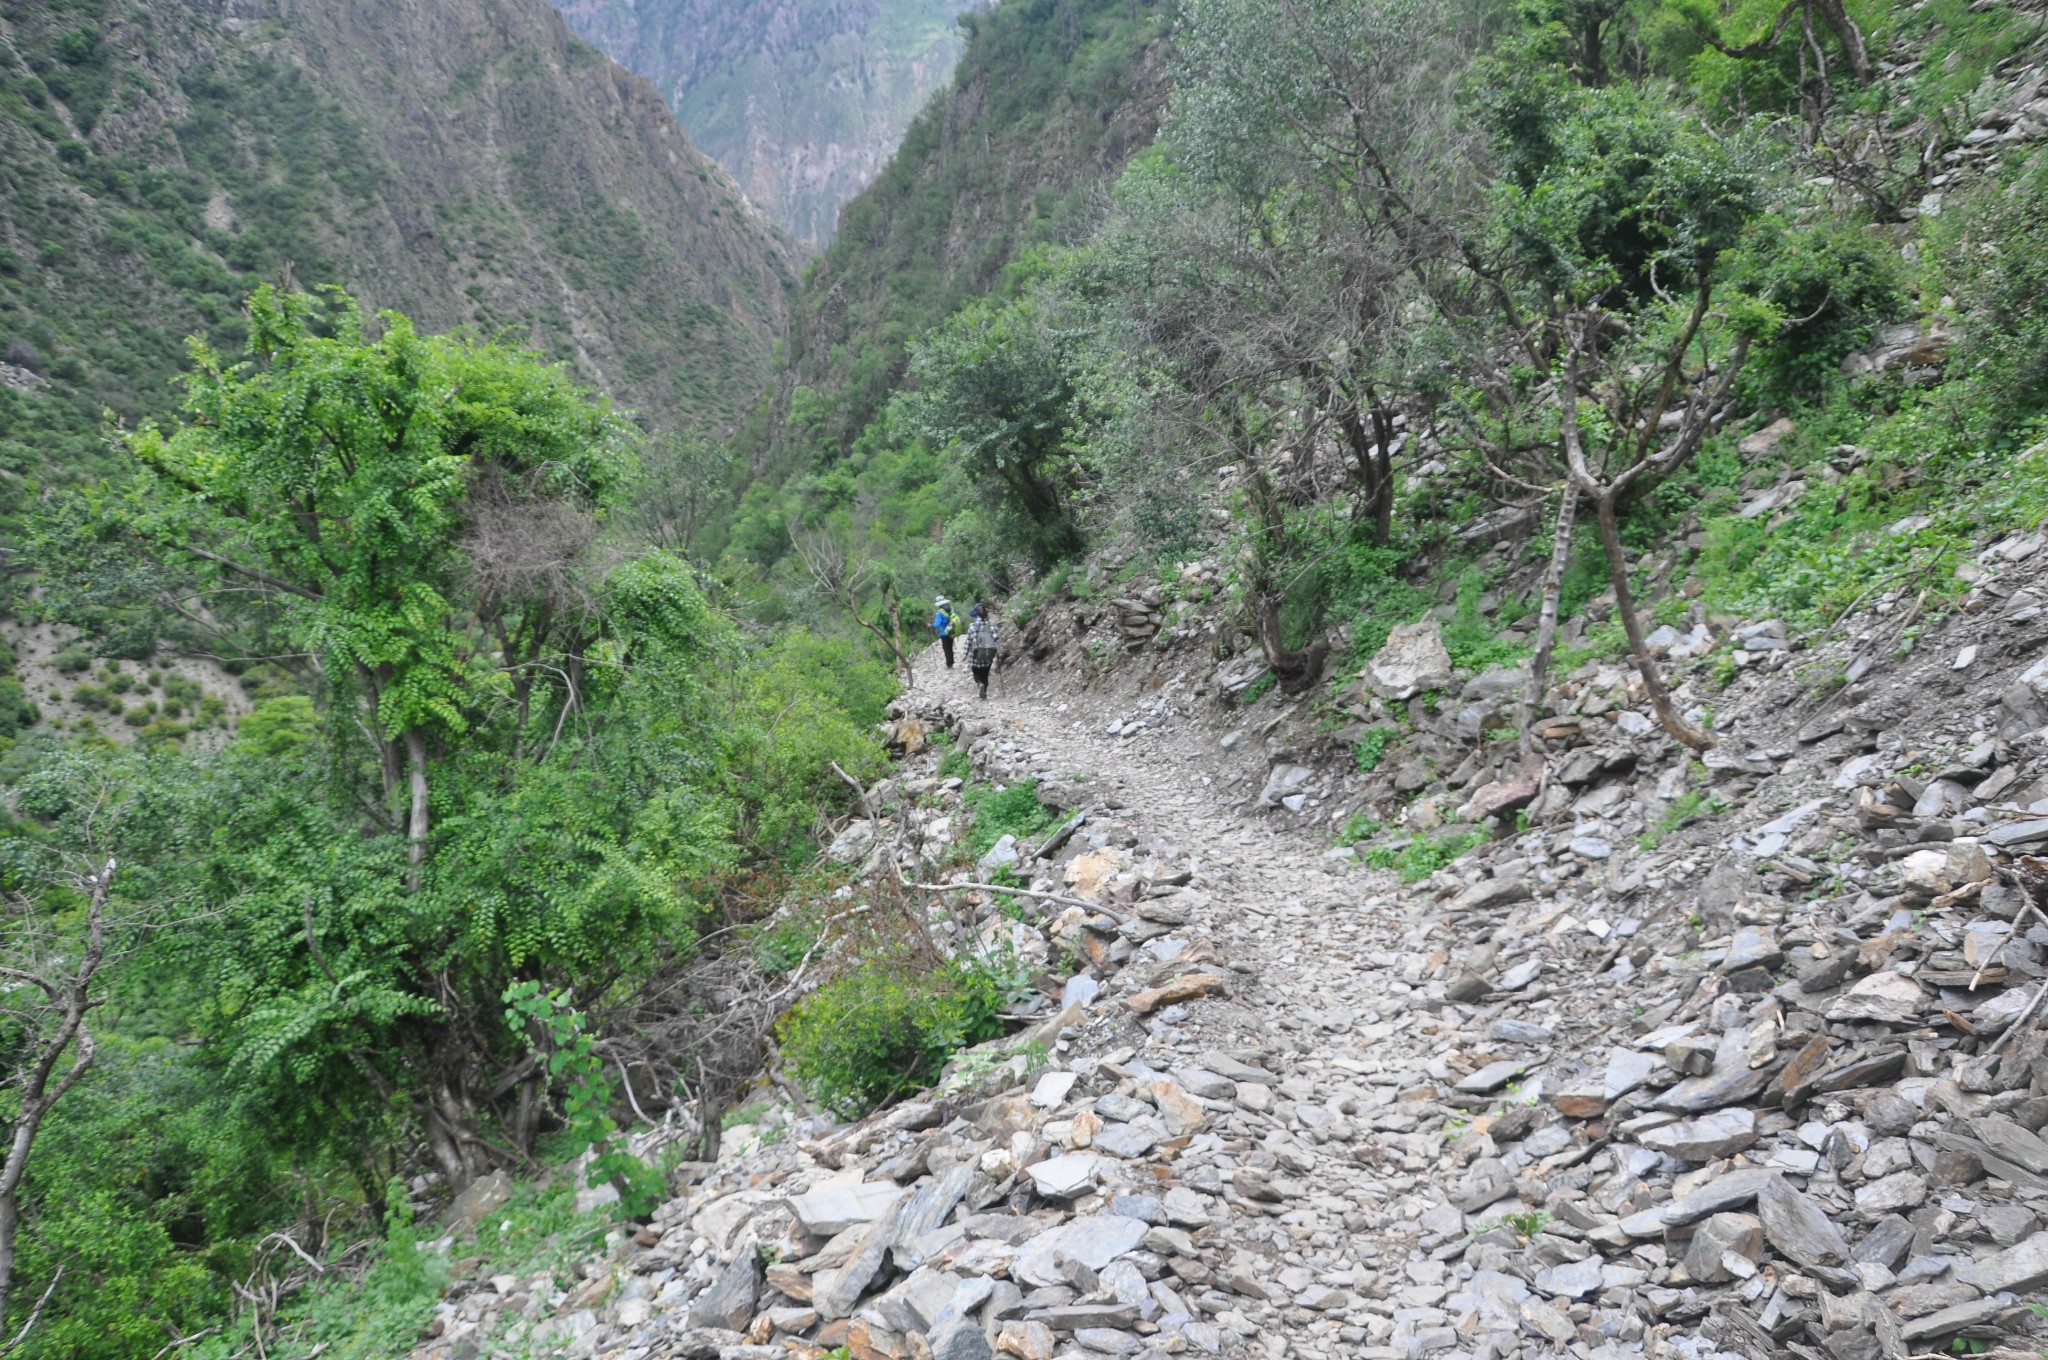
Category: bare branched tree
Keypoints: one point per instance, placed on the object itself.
(1685, 385)
(49, 976)
(852, 583)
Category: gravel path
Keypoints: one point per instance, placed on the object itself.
(1336, 1174)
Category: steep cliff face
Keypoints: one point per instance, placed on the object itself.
(469, 162)
(1050, 100)
(803, 103)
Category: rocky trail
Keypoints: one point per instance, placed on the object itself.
(1735, 1056)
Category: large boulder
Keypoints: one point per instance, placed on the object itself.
(1413, 660)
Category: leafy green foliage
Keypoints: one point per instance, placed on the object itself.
(1834, 283)
(887, 1027)
(1013, 810)
(1358, 827)
(1367, 751)
(146, 1190)
(553, 1028)
(995, 391)
(278, 729)
(1420, 858)
(594, 750)
(2000, 263)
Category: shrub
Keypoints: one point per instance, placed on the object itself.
(1013, 811)
(1359, 826)
(16, 709)
(1369, 749)
(278, 727)
(1468, 637)
(1419, 859)
(887, 1028)
(72, 661)
(955, 765)
(1999, 266)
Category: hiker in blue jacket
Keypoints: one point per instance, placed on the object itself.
(944, 624)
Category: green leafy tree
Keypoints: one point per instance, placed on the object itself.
(995, 387)
(1613, 261)
(340, 472)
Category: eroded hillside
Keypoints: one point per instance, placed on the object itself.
(471, 164)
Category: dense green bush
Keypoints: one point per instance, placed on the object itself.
(888, 1026)
(17, 710)
(1835, 283)
(2000, 264)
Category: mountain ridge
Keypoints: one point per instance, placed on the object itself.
(472, 164)
(803, 110)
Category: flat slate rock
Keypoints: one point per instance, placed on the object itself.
(2019, 1268)
(1094, 1241)
(1571, 1279)
(2012, 1143)
(1722, 1133)
(1065, 1176)
(831, 1211)
(1492, 1077)
(1730, 1190)
(1949, 1321)
(2008, 834)
(1732, 1082)
(1798, 1228)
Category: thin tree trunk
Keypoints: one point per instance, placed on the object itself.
(70, 996)
(1371, 456)
(1546, 620)
(1624, 600)
(1296, 670)
(416, 825)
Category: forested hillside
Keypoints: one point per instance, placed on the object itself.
(1050, 100)
(1402, 435)
(803, 105)
(471, 164)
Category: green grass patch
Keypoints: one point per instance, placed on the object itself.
(1368, 750)
(1359, 826)
(1688, 805)
(1419, 859)
(1012, 811)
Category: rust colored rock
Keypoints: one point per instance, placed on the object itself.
(1187, 987)
(1795, 1082)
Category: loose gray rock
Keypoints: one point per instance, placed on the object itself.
(729, 1302)
(1725, 1247)
(1720, 1134)
(1798, 1228)
(1094, 1242)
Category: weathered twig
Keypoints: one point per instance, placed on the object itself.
(33, 1314)
(1002, 888)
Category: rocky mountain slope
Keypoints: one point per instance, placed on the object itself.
(469, 163)
(802, 104)
(1763, 1077)
(1048, 103)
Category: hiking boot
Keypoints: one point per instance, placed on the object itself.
(983, 687)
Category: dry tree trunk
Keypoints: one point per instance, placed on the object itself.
(1603, 494)
(1624, 600)
(67, 996)
(416, 826)
(1546, 619)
